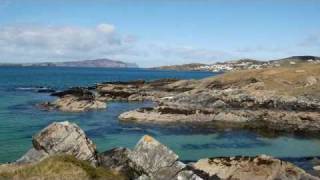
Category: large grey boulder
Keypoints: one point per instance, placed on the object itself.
(61, 138)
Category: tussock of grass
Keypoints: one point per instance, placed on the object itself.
(57, 168)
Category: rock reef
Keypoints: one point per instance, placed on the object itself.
(151, 160)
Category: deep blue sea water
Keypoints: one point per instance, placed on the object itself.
(20, 119)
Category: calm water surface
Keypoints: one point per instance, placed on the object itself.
(20, 119)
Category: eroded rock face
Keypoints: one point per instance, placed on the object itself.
(61, 138)
(252, 168)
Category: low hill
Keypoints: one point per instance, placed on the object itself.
(296, 60)
(299, 80)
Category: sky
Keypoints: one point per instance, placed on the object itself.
(157, 32)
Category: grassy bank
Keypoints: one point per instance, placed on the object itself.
(57, 167)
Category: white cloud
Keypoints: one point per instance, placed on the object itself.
(106, 28)
(44, 43)
(35, 43)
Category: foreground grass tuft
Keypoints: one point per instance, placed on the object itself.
(61, 167)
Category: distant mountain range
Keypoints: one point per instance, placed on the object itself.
(242, 64)
(104, 63)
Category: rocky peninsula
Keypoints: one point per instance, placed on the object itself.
(277, 99)
(63, 151)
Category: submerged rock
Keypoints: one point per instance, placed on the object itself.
(61, 138)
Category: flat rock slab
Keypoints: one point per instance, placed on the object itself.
(252, 168)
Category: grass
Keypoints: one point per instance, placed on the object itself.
(282, 80)
(62, 167)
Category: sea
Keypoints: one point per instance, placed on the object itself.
(20, 118)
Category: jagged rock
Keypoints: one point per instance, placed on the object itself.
(61, 138)
(149, 160)
(152, 157)
(252, 168)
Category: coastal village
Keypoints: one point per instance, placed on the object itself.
(246, 64)
(243, 64)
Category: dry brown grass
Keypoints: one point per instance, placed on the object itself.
(282, 80)
(57, 168)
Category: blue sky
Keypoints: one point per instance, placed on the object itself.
(154, 32)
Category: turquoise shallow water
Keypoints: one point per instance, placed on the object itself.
(20, 119)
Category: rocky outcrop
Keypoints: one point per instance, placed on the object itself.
(256, 168)
(151, 160)
(238, 108)
(74, 100)
(272, 99)
(61, 138)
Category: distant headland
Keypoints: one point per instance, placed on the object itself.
(103, 63)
